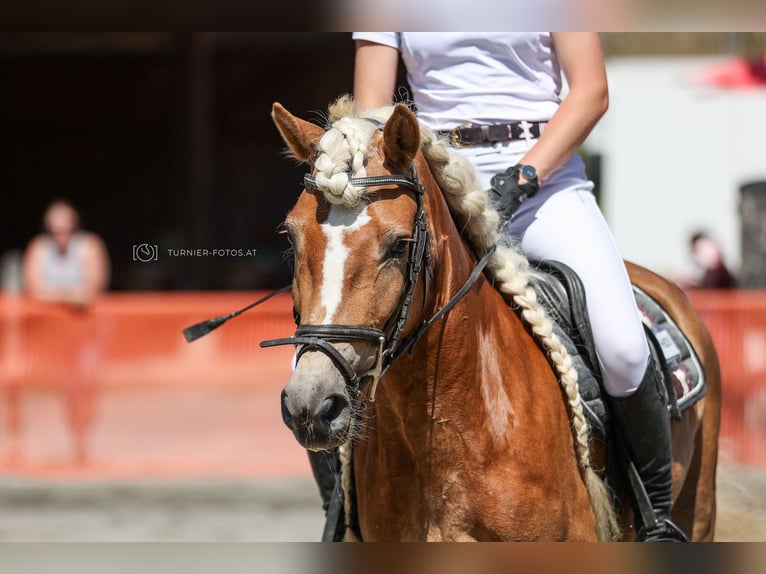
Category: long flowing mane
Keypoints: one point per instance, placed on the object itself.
(347, 143)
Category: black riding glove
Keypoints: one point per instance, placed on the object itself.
(506, 194)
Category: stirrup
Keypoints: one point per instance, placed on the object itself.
(667, 531)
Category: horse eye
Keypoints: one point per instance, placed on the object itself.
(399, 249)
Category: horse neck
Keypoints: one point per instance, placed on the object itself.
(453, 398)
(482, 310)
(452, 259)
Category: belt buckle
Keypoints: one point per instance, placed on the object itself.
(454, 134)
(454, 137)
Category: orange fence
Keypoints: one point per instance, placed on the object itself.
(116, 390)
(737, 323)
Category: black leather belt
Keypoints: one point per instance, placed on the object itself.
(477, 135)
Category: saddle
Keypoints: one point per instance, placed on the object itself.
(561, 292)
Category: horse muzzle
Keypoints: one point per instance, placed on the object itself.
(322, 426)
(316, 405)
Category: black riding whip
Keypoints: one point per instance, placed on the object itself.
(201, 329)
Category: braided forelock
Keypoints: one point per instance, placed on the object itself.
(343, 149)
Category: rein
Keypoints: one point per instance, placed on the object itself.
(390, 348)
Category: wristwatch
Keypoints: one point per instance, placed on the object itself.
(528, 171)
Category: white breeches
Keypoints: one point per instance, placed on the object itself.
(563, 222)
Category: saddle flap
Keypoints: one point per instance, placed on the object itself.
(684, 376)
(561, 292)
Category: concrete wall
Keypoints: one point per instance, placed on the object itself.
(675, 154)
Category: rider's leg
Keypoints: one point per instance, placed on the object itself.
(570, 228)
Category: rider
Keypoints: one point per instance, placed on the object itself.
(502, 91)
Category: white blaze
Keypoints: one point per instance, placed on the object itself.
(340, 221)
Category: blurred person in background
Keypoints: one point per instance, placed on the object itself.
(706, 269)
(64, 263)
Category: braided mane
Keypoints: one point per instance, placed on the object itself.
(343, 149)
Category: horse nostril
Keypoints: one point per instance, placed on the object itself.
(332, 408)
(286, 416)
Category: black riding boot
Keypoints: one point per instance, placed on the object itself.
(326, 465)
(644, 425)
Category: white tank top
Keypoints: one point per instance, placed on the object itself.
(480, 78)
(63, 269)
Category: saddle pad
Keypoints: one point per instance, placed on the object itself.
(680, 364)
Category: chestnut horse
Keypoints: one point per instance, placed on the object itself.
(424, 354)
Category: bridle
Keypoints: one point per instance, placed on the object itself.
(389, 342)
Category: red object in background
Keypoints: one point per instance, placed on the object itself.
(737, 73)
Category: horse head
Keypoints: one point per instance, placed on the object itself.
(360, 244)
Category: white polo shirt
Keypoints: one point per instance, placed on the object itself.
(479, 78)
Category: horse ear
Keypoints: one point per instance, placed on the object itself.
(299, 135)
(401, 138)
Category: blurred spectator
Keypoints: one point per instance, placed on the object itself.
(707, 269)
(64, 263)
